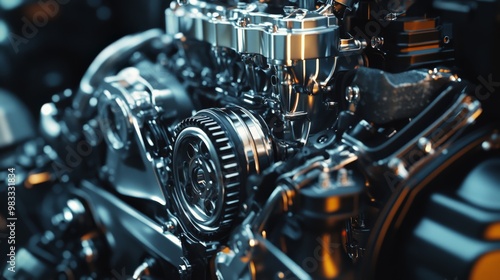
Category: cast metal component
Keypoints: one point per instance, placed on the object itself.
(246, 143)
(435, 139)
(299, 34)
(385, 97)
(303, 46)
(323, 199)
(235, 261)
(213, 151)
(104, 64)
(114, 121)
(130, 103)
(126, 223)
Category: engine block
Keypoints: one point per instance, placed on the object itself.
(268, 140)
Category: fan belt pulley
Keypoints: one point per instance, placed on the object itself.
(214, 152)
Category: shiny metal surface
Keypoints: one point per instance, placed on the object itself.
(212, 150)
(236, 261)
(297, 34)
(114, 214)
(198, 178)
(302, 44)
(435, 139)
(251, 142)
(104, 64)
(128, 101)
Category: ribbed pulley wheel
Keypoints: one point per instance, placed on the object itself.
(214, 152)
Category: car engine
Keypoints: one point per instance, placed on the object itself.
(267, 139)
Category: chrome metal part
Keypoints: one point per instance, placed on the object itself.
(129, 101)
(212, 151)
(298, 34)
(302, 44)
(377, 42)
(143, 271)
(73, 211)
(352, 96)
(104, 65)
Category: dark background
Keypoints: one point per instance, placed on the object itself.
(54, 55)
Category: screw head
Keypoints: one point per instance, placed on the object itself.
(169, 226)
(352, 94)
(377, 42)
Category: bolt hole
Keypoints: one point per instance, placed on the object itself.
(274, 80)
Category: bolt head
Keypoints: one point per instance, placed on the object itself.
(352, 94)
